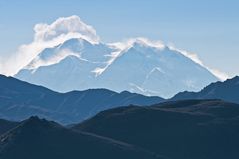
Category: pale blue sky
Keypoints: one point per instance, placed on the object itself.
(209, 28)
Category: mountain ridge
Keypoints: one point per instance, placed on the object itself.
(20, 100)
(47, 139)
(108, 66)
(177, 129)
(227, 91)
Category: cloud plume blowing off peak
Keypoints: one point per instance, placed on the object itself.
(47, 36)
(65, 28)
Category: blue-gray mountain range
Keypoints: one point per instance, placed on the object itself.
(141, 68)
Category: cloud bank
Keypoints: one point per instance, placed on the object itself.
(47, 36)
(65, 28)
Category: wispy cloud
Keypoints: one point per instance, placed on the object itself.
(47, 36)
(65, 28)
(125, 44)
(53, 59)
(219, 74)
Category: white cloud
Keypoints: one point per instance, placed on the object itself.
(65, 28)
(125, 44)
(47, 36)
(221, 75)
(55, 58)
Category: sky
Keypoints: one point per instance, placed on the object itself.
(209, 29)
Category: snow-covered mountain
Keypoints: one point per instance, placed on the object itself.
(140, 67)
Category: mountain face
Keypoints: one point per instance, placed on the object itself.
(191, 129)
(6, 125)
(141, 68)
(20, 100)
(227, 90)
(38, 138)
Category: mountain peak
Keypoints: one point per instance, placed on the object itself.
(236, 78)
(229, 81)
(143, 42)
(227, 91)
(38, 139)
(75, 43)
(135, 64)
(31, 125)
(3, 76)
(34, 121)
(139, 42)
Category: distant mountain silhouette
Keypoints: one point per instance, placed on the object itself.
(37, 138)
(190, 129)
(20, 100)
(227, 91)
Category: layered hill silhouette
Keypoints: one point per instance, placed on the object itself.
(38, 138)
(190, 129)
(227, 91)
(20, 100)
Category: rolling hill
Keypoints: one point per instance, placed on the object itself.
(198, 129)
(38, 138)
(227, 91)
(20, 100)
